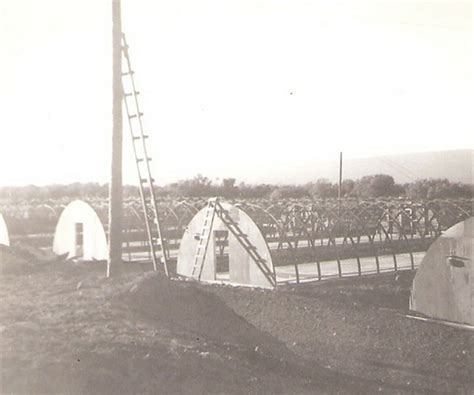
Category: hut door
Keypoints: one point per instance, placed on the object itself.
(79, 247)
(221, 238)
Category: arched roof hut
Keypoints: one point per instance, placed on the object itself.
(4, 237)
(79, 233)
(443, 287)
(218, 227)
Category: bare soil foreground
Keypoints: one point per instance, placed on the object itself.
(67, 329)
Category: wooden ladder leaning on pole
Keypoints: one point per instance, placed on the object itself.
(156, 241)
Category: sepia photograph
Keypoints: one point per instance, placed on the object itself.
(236, 197)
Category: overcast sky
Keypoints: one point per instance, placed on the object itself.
(237, 88)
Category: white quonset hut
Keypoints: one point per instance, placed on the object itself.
(218, 227)
(443, 287)
(4, 238)
(80, 233)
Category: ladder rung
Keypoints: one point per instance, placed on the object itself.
(140, 114)
(141, 159)
(143, 180)
(131, 94)
(131, 72)
(139, 137)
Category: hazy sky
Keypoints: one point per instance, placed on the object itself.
(238, 88)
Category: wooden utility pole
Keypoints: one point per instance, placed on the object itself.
(115, 190)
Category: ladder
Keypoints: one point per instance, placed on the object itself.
(242, 238)
(142, 160)
(204, 236)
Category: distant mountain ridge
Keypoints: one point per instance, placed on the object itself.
(455, 165)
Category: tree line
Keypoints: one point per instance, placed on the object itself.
(372, 186)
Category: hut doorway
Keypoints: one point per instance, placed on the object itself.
(79, 230)
(221, 254)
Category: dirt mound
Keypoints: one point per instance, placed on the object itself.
(22, 258)
(188, 308)
(13, 262)
(198, 316)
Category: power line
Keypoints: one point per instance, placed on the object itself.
(399, 168)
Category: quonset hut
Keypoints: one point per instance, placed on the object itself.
(4, 238)
(79, 233)
(220, 226)
(443, 287)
